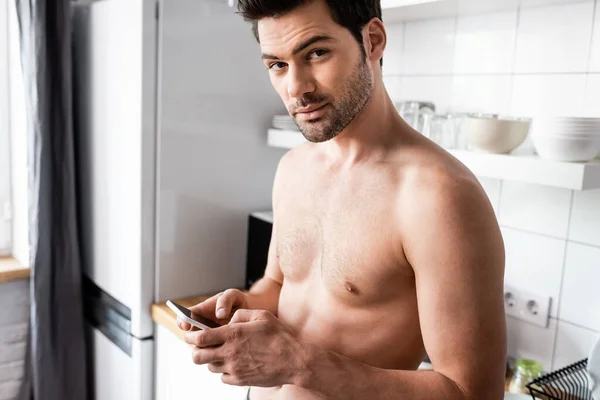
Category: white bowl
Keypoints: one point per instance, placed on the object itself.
(492, 135)
(547, 129)
(567, 148)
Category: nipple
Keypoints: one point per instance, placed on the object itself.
(351, 288)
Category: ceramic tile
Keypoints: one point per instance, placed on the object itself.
(482, 7)
(585, 217)
(554, 39)
(573, 344)
(393, 86)
(434, 89)
(595, 55)
(429, 46)
(580, 300)
(546, 3)
(534, 263)
(530, 341)
(492, 188)
(485, 94)
(393, 56)
(548, 94)
(592, 98)
(485, 43)
(535, 208)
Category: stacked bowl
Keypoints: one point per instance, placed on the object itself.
(566, 138)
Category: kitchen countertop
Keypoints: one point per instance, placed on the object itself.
(162, 314)
(12, 270)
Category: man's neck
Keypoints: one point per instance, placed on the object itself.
(371, 135)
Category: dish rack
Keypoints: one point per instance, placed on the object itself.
(569, 383)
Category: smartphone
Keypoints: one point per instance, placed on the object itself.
(186, 315)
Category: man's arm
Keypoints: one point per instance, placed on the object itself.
(452, 240)
(264, 294)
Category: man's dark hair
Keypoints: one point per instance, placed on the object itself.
(351, 14)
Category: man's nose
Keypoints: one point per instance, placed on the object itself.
(300, 83)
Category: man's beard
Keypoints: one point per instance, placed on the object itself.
(355, 94)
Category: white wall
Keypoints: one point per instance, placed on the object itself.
(521, 63)
(215, 167)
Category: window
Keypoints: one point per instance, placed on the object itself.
(5, 192)
(14, 205)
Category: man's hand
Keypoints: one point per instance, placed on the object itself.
(218, 308)
(255, 349)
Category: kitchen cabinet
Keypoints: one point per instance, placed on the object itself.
(177, 377)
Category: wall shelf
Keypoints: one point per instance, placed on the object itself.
(520, 168)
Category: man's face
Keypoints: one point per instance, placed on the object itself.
(317, 68)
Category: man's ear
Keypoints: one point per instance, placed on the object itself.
(375, 39)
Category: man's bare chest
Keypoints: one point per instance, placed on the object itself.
(349, 247)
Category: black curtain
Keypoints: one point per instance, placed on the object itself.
(56, 364)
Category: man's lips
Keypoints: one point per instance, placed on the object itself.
(311, 113)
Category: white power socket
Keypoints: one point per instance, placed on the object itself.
(527, 306)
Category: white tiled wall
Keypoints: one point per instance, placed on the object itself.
(485, 43)
(536, 60)
(527, 62)
(561, 94)
(486, 94)
(535, 208)
(554, 39)
(573, 343)
(595, 56)
(429, 47)
(534, 263)
(592, 98)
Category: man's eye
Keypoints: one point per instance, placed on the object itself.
(278, 66)
(317, 54)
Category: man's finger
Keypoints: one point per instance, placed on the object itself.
(207, 306)
(184, 326)
(218, 367)
(207, 337)
(231, 380)
(226, 302)
(206, 356)
(249, 316)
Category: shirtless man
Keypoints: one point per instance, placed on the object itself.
(384, 246)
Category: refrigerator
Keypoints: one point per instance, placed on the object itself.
(171, 105)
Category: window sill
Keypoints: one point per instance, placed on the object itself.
(12, 270)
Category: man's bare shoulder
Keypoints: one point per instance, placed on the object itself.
(443, 204)
(433, 181)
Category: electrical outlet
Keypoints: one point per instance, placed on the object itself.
(527, 306)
